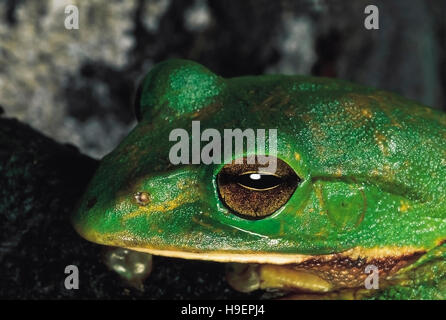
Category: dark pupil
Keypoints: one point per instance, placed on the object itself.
(259, 181)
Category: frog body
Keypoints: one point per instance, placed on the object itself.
(368, 169)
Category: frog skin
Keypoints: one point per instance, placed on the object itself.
(369, 183)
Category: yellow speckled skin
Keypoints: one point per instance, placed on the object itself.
(372, 167)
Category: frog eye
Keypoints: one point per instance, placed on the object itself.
(252, 193)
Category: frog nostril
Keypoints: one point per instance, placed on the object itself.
(142, 198)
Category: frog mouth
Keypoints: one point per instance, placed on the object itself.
(338, 275)
(389, 253)
(316, 278)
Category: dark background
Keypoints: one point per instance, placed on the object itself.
(77, 86)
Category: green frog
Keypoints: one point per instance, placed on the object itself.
(358, 185)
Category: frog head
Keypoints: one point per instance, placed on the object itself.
(359, 177)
